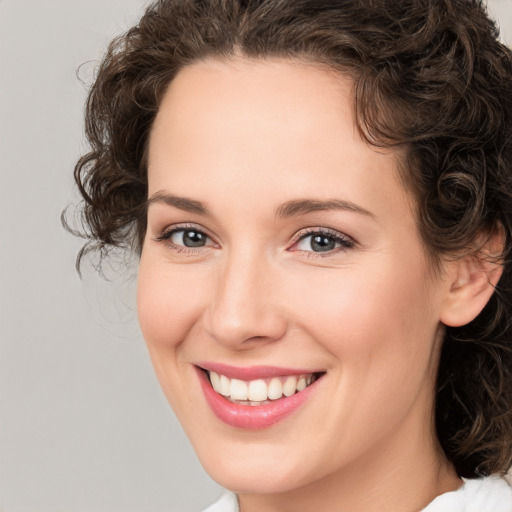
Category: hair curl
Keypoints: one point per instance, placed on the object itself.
(429, 75)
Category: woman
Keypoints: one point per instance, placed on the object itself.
(320, 195)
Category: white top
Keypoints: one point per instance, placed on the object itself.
(490, 494)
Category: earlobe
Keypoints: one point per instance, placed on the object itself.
(473, 280)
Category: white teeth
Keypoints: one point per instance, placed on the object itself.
(238, 390)
(259, 391)
(275, 389)
(224, 385)
(215, 380)
(290, 386)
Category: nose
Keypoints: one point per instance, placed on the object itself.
(245, 310)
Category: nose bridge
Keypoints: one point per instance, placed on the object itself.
(243, 306)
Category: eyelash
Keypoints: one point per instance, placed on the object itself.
(344, 242)
(166, 235)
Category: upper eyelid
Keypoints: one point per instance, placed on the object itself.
(325, 231)
(174, 228)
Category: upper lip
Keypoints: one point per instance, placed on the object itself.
(254, 372)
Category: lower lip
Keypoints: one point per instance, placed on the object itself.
(255, 417)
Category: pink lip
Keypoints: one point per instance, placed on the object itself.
(253, 372)
(253, 417)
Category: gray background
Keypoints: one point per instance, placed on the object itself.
(83, 423)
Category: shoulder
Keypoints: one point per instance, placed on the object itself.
(226, 503)
(489, 494)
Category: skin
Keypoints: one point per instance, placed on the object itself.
(244, 137)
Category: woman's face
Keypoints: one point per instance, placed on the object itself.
(280, 246)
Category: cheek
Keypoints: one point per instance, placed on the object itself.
(379, 327)
(168, 303)
(376, 319)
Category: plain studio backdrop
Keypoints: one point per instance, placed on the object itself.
(84, 426)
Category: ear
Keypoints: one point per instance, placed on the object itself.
(472, 280)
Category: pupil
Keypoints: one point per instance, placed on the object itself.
(193, 239)
(321, 243)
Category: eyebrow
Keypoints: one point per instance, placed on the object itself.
(303, 206)
(183, 203)
(288, 209)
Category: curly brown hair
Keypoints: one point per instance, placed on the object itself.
(430, 76)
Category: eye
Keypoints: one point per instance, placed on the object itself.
(185, 238)
(188, 238)
(322, 241)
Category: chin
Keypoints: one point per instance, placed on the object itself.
(253, 478)
(255, 468)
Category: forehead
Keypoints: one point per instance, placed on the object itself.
(286, 127)
(253, 98)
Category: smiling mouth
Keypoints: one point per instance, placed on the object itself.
(260, 392)
(256, 397)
